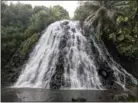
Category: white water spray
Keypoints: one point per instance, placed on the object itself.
(63, 43)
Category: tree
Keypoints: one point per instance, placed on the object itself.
(14, 21)
(115, 20)
(126, 35)
(104, 13)
(43, 16)
(21, 27)
(39, 8)
(58, 13)
(38, 22)
(81, 13)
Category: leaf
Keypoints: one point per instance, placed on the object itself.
(121, 37)
(120, 31)
(119, 19)
(126, 19)
(111, 35)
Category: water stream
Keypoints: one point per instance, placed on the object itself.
(64, 58)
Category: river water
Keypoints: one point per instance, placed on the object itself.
(49, 95)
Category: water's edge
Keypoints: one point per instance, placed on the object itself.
(51, 95)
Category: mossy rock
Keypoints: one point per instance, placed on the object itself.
(28, 44)
(13, 68)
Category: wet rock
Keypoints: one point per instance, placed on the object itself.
(67, 27)
(73, 36)
(67, 83)
(63, 42)
(124, 97)
(65, 23)
(57, 79)
(106, 74)
(103, 73)
(78, 100)
(73, 30)
(116, 86)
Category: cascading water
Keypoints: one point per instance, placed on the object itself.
(65, 58)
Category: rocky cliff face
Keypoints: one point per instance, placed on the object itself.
(103, 61)
(129, 63)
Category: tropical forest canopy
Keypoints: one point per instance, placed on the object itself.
(22, 26)
(118, 21)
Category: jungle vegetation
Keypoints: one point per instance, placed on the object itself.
(117, 21)
(21, 27)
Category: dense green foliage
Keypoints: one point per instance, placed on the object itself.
(21, 27)
(43, 16)
(115, 19)
(15, 20)
(81, 13)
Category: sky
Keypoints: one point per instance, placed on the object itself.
(70, 6)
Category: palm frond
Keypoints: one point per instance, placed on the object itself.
(105, 12)
(91, 6)
(117, 5)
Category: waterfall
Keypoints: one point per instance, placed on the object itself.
(64, 58)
